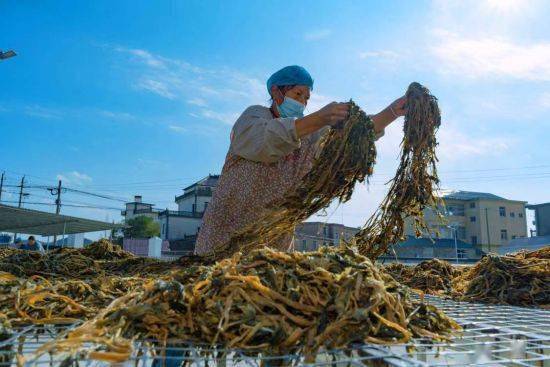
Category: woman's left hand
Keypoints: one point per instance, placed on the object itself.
(398, 106)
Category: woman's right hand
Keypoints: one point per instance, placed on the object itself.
(333, 113)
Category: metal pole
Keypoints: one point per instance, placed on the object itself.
(20, 200)
(488, 233)
(62, 241)
(1, 185)
(57, 208)
(456, 247)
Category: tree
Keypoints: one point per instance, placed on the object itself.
(141, 227)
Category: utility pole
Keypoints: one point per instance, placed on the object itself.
(488, 233)
(21, 186)
(57, 206)
(1, 185)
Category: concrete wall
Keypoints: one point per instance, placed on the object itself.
(542, 218)
(201, 202)
(177, 227)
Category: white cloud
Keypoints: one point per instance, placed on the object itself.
(157, 87)
(226, 118)
(74, 178)
(116, 115)
(317, 34)
(382, 54)
(198, 102)
(225, 91)
(178, 129)
(145, 56)
(455, 145)
(491, 57)
(544, 100)
(43, 112)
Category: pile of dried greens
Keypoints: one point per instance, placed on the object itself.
(105, 250)
(430, 276)
(522, 279)
(100, 258)
(347, 157)
(263, 302)
(37, 300)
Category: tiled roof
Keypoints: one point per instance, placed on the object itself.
(471, 195)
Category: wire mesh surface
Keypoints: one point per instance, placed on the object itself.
(492, 336)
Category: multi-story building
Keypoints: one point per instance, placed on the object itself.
(308, 236)
(138, 207)
(181, 226)
(484, 220)
(542, 218)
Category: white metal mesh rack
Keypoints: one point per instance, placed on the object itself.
(492, 336)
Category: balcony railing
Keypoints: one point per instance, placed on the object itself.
(181, 213)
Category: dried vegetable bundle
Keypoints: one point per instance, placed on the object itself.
(430, 276)
(522, 279)
(37, 300)
(100, 258)
(347, 156)
(413, 187)
(263, 302)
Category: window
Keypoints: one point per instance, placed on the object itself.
(461, 253)
(205, 205)
(314, 246)
(513, 237)
(193, 207)
(455, 209)
(304, 245)
(474, 240)
(502, 211)
(472, 205)
(520, 215)
(325, 231)
(163, 228)
(512, 215)
(503, 234)
(461, 232)
(472, 219)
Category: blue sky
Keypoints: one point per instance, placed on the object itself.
(138, 97)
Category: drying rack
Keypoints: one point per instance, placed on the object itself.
(493, 335)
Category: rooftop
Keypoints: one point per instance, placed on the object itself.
(209, 181)
(472, 195)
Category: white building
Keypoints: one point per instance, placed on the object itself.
(137, 208)
(183, 225)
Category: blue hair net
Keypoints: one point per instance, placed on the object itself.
(290, 75)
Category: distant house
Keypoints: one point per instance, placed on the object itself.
(542, 218)
(309, 236)
(138, 207)
(181, 226)
(484, 220)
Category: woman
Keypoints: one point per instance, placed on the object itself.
(271, 150)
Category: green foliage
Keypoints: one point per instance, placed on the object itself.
(141, 227)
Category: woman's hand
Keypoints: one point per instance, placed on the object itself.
(333, 113)
(330, 115)
(398, 106)
(389, 114)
